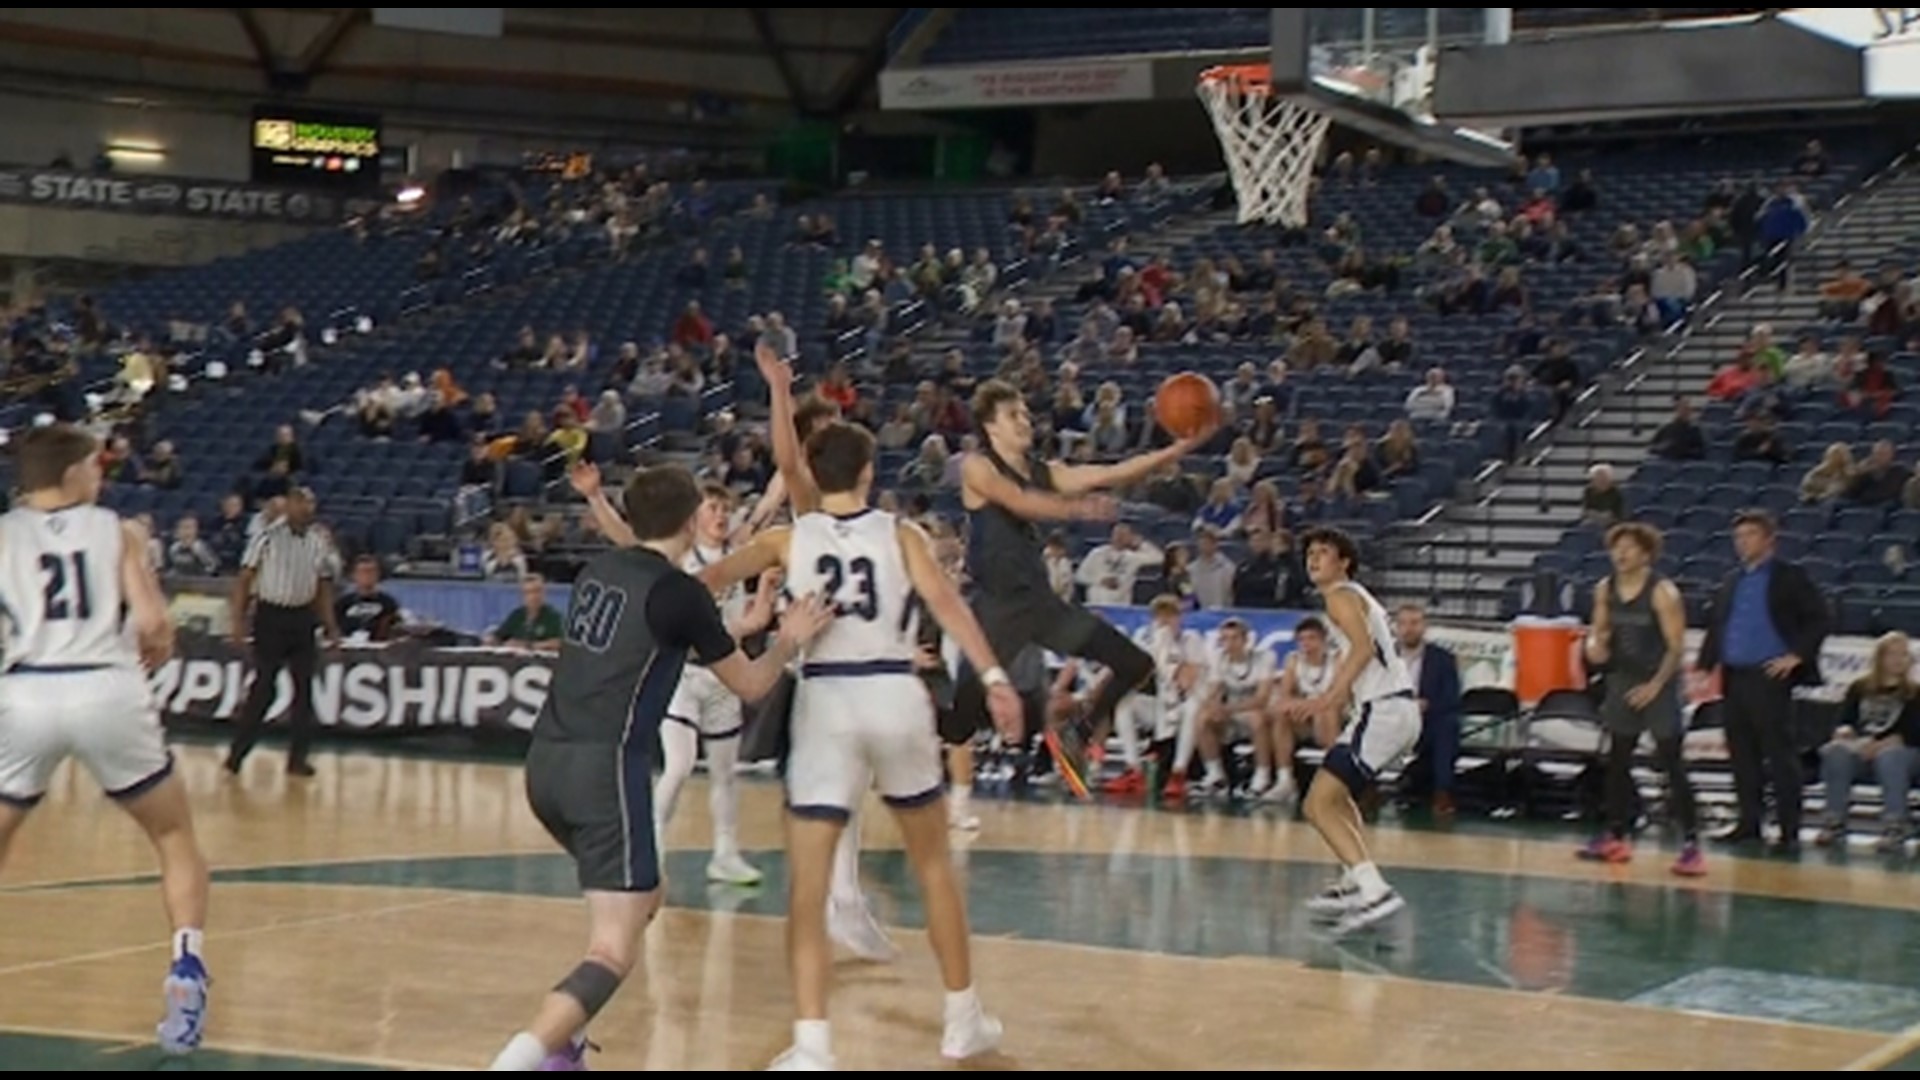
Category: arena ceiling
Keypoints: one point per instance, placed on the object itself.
(638, 67)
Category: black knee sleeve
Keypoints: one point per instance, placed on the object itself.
(590, 984)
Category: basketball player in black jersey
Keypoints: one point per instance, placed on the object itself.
(1007, 490)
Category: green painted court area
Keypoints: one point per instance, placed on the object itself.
(1830, 964)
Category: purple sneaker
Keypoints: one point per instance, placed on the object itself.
(571, 1059)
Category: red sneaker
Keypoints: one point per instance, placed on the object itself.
(1131, 782)
(1176, 789)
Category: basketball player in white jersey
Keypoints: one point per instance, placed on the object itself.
(1171, 708)
(1308, 674)
(1372, 690)
(863, 718)
(1237, 693)
(703, 712)
(84, 616)
(850, 919)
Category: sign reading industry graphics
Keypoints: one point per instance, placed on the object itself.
(162, 195)
(1059, 83)
(312, 149)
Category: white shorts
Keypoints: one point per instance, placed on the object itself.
(1160, 719)
(105, 717)
(1386, 730)
(703, 703)
(855, 732)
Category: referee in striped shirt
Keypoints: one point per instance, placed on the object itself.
(287, 577)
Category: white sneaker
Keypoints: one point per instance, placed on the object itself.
(1207, 787)
(731, 869)
(1282, 791)
(1334, 901)
(971, 1036)
(1364, 914)
(962, 818)
(853, 926)
(798, 1060)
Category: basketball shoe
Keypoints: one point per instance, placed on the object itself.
(185, 1022)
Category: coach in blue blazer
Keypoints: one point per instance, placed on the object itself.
(1436, 681)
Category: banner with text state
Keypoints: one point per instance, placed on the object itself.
(166, 195)
(1015, 85)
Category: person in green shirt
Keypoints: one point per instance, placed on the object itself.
(535, 624)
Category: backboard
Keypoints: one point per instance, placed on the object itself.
(1373, 68)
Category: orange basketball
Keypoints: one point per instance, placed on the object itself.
(1187, 404)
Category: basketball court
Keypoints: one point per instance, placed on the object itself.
(402, 913)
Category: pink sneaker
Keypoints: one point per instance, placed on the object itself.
(1691, 862)
(1607, 849)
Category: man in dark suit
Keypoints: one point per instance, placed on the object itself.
(1436, 681)
(1765, 632)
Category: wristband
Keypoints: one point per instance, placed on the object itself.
(995, 676)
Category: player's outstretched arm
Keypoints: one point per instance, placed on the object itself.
(787, 456)
(979, 479)
(146, 603)
(767, 551)
(1079, 479)
(754, 679)
(950, 610)
(585, 478)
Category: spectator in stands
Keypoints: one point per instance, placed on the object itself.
(480, 467)
(440, 423)
(977, 280)
(1889, 306)
(229, 533)
(568, 438)
(1269, 577)
(692, 328)
(1211, 572)
(1176, 577)
(1813, 161)
(1310, 505)
(524, 354)
(1831, 478)
(285, 451)
(1222, 512)
(778, 335)
(1910, 495)
(1154, 187)
(531, 440)
(1264, 511)
(1124, 351)
(1783, 220)
(1508, 293)
(1359, 353)
(1396, 352)
(1262, 427)
(1874, 388)
(504, 560)
(1545, 175)
(1740, 377)
(1243, 463)
(368, 614)
(1109, 571)
(1680, 439)
(555, 356)
(1313, 347)
(1438, 252)
(928, 468)
(609, 414)
(1602, 503)
(1674, 287)
(535, 624)
(161, 468)
(188, 555)
(1432, 400)
(1398, 453)
(685, 379)
(1808, 368)
(1880, 479)
(1308, 454)
(571, 401)
(1354, 475)
(1434, 200)
(1848, 359)
(1841, 294)
(899, 432)
(1878, 738)
(1766, 353)
(117, 462)
(1512, 410)
(735, 271)
(1760, 441)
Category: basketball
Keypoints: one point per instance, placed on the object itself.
(1187, 404)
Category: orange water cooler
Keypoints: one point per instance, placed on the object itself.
(1547, 657)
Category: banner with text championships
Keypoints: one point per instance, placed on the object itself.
(400, 689)
(163, 195)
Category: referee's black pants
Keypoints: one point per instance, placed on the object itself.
(282, 638)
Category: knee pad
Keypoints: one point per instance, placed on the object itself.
(590, 984)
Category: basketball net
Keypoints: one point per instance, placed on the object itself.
(1270, 142)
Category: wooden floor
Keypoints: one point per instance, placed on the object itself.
(407, 913)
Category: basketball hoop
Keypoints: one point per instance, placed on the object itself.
(1270, 142)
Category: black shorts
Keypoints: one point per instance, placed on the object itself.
(596, 800)
(769, 724)
(1013, 626)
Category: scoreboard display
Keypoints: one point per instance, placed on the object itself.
(303, 148)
